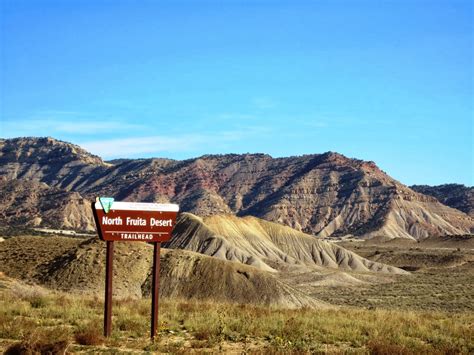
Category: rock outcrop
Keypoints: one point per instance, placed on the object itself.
(456, 196)
(327, 195)
(29, 203)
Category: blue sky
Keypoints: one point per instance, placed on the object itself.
(388, 81)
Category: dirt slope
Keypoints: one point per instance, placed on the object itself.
(265, 245)
(202, 277)
(79, 266)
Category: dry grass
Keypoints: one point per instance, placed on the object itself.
(426, 290)
(430, 311)
(442, 279)
(90, 334)
(75, 322)
(42, 340)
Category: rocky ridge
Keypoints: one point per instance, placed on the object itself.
(30, 204)
(456, 196)
(327, 195)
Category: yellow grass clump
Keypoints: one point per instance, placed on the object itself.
(61, 321)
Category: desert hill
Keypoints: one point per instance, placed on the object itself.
(453, 195)
(265, 245)
(78, 266)
(322, 194)
(47, 160)
(191, 275)
(30, 203)
(222, 258)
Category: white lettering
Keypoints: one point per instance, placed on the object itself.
(136, 221)
(160, 222)
(117, 221)
(136, 236)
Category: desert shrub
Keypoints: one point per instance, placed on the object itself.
(198, 344)
(16, 328)
(42, 341)
(91, 334)
(143, 309)
(88, 337)
(63, 301)
(204, 334)
(37, 297)
(172, 348)
(95, 303)
(186, 307)
(383, 347)
(26, 292)
(132, 324)
(39, 301)
(24, 348)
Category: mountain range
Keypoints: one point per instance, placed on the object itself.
(45, 182)
(454, 195)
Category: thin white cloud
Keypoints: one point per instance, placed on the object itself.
(96, 126)
(316, 124)
(44, 113)
(235, 117)
(53, 126)
(264, 103)
(159, 145)
(128, 147)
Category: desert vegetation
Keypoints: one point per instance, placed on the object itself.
(429, 310)
(34, 319)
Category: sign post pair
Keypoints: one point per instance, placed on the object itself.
(133, 221)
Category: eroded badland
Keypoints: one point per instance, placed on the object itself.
(293, 255)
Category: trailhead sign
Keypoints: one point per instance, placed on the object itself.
(127, 222)
(135, 221)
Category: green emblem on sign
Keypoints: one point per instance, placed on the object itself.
(106, 203)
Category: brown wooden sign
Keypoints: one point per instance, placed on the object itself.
(133, 221)
(129, 221)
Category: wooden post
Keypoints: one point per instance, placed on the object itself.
(108, 288)
(155, 287)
